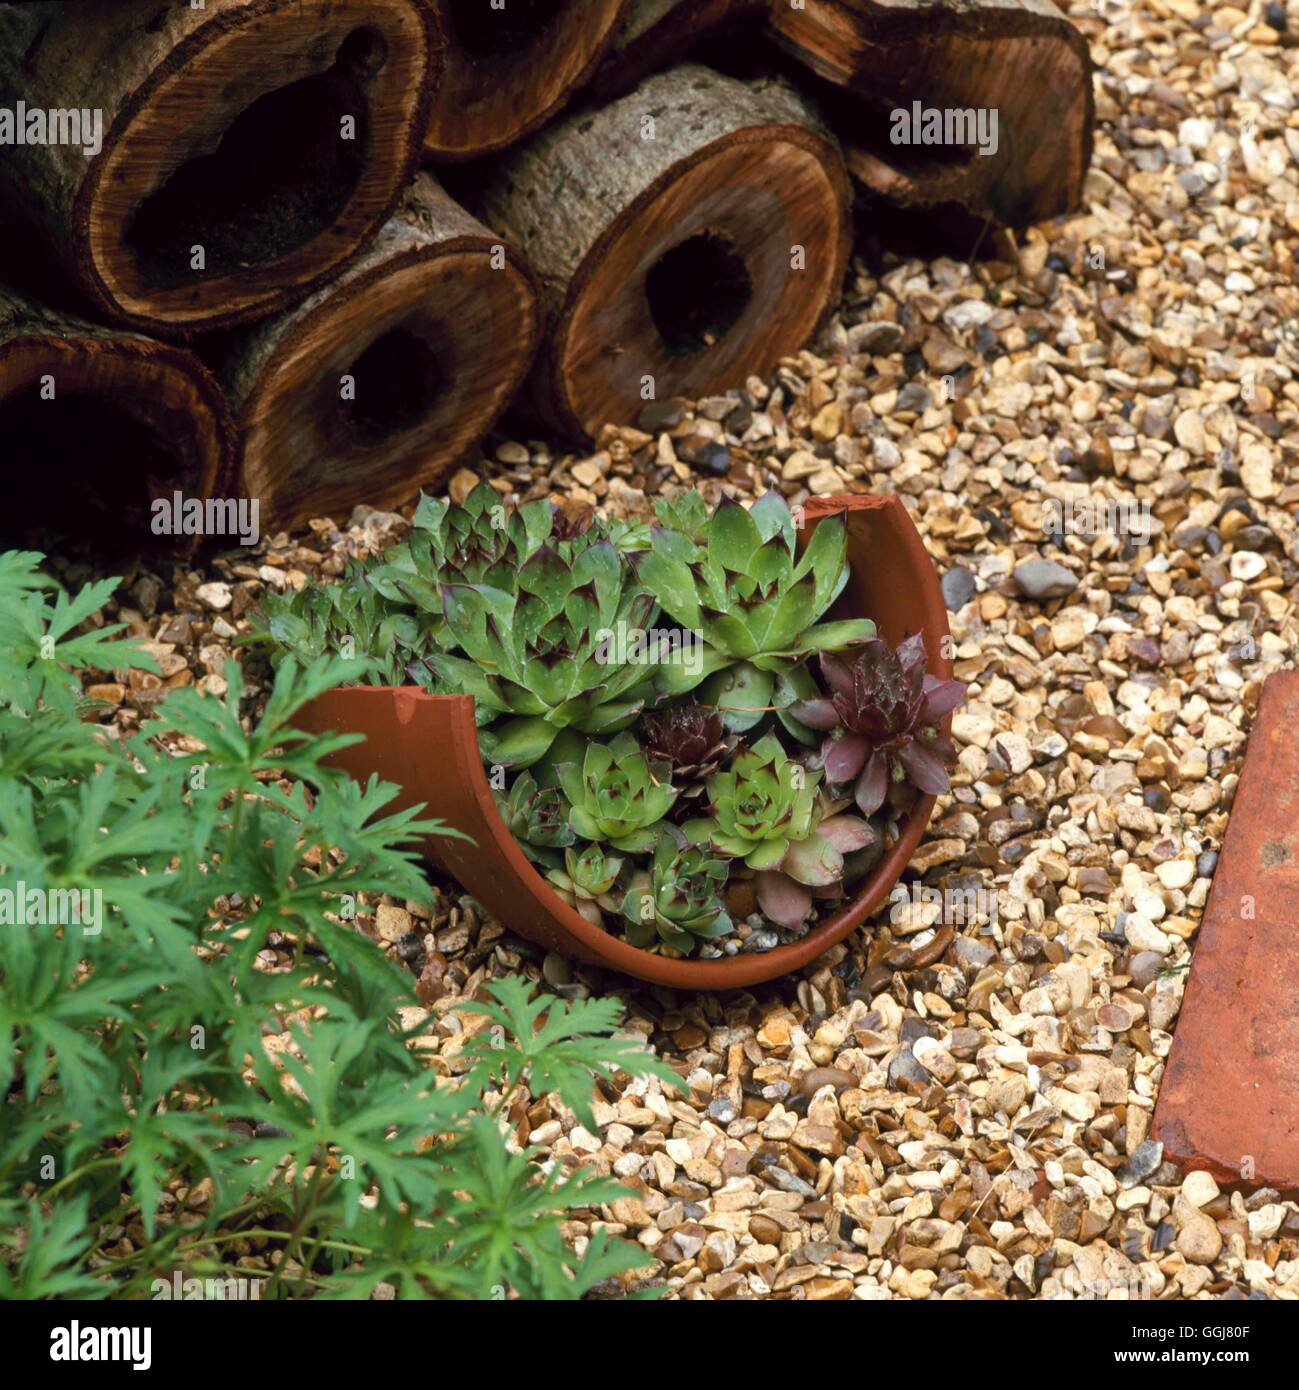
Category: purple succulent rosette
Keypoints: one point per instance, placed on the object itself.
(882, 720)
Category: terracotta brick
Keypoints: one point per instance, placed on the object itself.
(1229, 1102)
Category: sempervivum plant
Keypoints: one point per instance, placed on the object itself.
(587, 880)
(617, 797)
(537, 817)
(691, 740)
(737, 580)
(677, 899)
(479, 541)
(767, 811)
(352, 618)
(882, 720)
(537, 655)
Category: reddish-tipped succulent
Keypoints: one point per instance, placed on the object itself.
(882, 716)
(691, 739)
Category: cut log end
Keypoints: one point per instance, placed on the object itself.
(98, 428)
(914, 87)
(509, 69)
(659, 32)
(385, 380)
(269, 146)
(704, 235)
(716, 276)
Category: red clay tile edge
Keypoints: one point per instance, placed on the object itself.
(1229, 1101)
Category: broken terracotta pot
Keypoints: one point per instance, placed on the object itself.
(428, 745)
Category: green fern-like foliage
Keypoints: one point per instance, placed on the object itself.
(131, 1037)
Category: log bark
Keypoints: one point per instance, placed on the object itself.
(688, 236)
(1019, 58)
(509, 70)
(98, 423)
(657, 33)
(381, 382)
(275, 137)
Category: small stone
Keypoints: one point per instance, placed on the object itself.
(876, 339)
(392, 923)
(904, 1067)
(972, 313)
(1176, 873)
(556, 969)
(1114, 1018)
(958, 588)
(513, 454)
(934, 1057)
(1196, 132)
(215, 595)
(1246, 565)
(661, 415)
(1144, 967)
(764, 1230)
(1141, 1163)
(1256, 472)
(1188, 430)
(827, 480)
(973, 953)
(1143, 935)
(1042, 579)
(722, 1109)
(1265, 1221)
(587, 473)
(1012, 752)
(1094, 882)
(810, 1082)
(177, 630)
(1199, 1240)
(1199, 1188)
(774, 1035)
(462, 485)
(801, 464)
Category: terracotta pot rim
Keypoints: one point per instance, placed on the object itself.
(731, 972)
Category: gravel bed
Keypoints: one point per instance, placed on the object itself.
(971, 1120)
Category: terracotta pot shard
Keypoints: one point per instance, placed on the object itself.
(428, 746)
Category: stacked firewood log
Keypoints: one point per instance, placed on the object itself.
(308, 251)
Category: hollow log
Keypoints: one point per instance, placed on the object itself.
(221, 161)
(510, 69)
(687, 236)
(97, 424)
(1020, 59)
(381, 382)
(659, 32)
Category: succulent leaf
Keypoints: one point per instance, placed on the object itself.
(615, 796)
(678, 899)
(883, 737)
(762, 804)
(537, 817)
(782, 900)
(587, 881)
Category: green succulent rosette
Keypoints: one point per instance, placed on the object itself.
(537, 817)
(617, 797)
(761, 805)
(535, 660)
(736, 578)
(678, 900)
(480, 541)
(353, 618)
(768, 810)
(587, 882)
